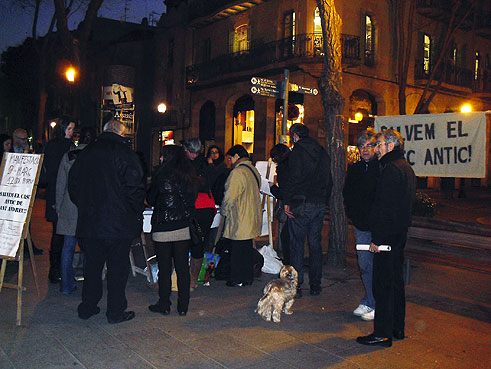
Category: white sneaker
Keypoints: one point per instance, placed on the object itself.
(369, 316)
(362, 309)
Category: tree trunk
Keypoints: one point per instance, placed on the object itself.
(332, 101)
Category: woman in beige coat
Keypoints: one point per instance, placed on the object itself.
(241, 208)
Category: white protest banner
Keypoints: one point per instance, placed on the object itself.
(442, 145)
(19, 175)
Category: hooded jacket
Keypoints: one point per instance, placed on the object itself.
(310, 172)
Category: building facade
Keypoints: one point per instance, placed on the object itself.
(208, 51)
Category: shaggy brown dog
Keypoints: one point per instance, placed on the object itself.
(279, 295)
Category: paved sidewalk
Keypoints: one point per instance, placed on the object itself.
(448, 325)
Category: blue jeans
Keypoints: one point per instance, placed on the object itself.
(67, 275)
(365, 261)
(309, 225)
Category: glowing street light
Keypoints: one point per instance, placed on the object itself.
(358, 116)
(70, 74)
(52, 124)
(466, 108)
(161, 108)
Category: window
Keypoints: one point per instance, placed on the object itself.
(239, 39)
(289, 33)
(477, 66)
(426, 54)
(369, 40)
(454, 56)
(318, 50)
(207, 50)
(170, 54)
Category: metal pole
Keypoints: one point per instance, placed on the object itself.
(286, 83)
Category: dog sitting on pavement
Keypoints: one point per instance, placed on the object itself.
(279, 295)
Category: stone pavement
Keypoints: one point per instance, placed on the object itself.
(448, 325)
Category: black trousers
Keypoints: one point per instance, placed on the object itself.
(55, 249)
(388, 288)
(176, 252)
(241, 263)
(115, 253)
(205, 219)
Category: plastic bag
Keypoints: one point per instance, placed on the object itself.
(272, 263)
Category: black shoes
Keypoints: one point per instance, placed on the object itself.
(54, 276)
(183, 313)
(86, 315)
(127, 315)
(299, 293)
(315, 290)
(373, 340)
(158, 309)
(398, 335)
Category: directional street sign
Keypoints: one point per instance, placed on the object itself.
(302, 90)
(264, 82)
(265, 91)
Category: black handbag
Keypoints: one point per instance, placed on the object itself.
(196, 232)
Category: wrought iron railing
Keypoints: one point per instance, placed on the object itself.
(262, 54)
(457, 76)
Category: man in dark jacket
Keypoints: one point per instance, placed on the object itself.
(105, 184)
(389, 221)
(306, 195)
(359, 193)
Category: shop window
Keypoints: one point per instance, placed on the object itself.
(239, 39)
(244, 123)
(369, 41)
(426, 54)
(296, 112)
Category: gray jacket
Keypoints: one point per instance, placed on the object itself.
(66, 209)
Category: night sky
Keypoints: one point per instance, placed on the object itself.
(16, 24)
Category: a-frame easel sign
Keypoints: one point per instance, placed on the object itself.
(19, 175)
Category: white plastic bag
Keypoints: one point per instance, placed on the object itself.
(272, 263)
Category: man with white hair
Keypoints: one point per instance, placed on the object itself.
(105, 184)
(390, 218)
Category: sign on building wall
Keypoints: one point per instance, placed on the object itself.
(442, 145)
(19, 176)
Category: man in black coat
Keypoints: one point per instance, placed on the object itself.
(307, 193)
(105, 184)
(359, 194)
(389, 221)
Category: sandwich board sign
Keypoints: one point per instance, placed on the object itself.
(19, 175)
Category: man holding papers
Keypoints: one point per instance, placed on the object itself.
(389, 221)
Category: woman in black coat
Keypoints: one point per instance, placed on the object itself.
(53, 152)
(279, 154)
(172, 194)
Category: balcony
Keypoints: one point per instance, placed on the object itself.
(205, 12)
(456, 76)
(290, 49)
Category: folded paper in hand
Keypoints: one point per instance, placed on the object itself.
(366, 247)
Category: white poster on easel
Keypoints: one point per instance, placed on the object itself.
(18, 177)
(266, 178)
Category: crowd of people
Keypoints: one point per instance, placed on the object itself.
(96, 193)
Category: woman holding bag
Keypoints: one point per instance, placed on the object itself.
(172, 194)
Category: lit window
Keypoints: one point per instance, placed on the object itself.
(241, 40)
(476, 66)
(369, 40)
(317, 21)
(426, 54)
